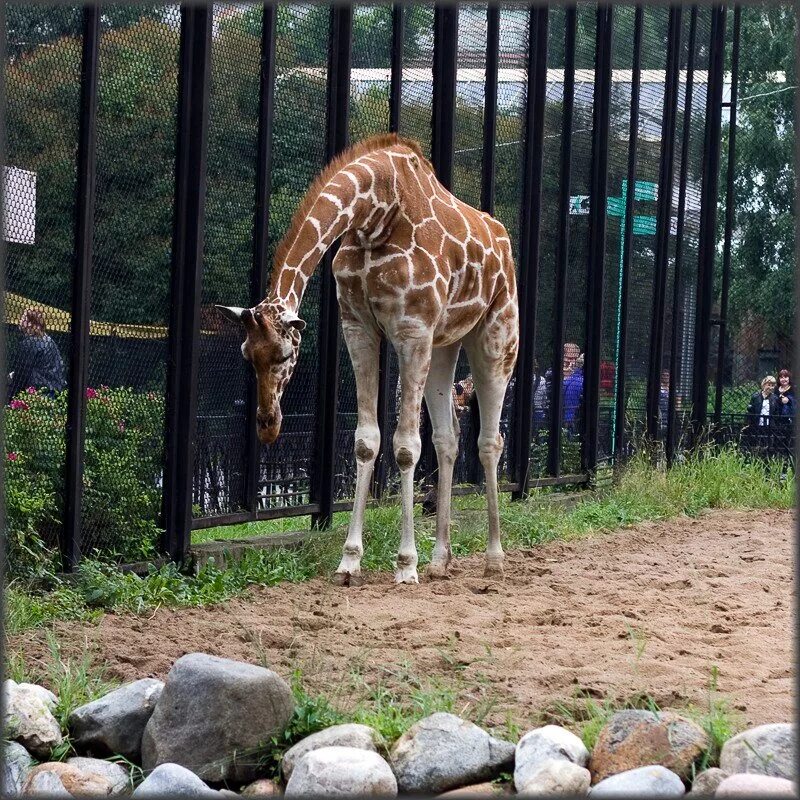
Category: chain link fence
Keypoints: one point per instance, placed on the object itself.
(133, 237)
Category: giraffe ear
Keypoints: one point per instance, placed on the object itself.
(234, 313)
(290, 320)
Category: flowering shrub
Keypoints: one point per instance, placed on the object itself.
(121, 479)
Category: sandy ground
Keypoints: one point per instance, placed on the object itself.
(653, 609)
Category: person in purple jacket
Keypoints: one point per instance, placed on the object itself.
(573, 396)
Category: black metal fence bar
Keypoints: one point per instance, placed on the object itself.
(445, 62)
(81, 290)
(708, 219)
(675, 365)
(490, 108)
(382, 464)
(597, 236)
(627, 252)
(338, 99)
(663, 221)
(258, 277)
(729, 214)
(529, 244)
(187, 266)
(562, 248)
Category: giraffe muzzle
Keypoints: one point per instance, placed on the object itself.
(268, 426)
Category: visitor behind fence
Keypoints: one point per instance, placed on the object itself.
(573, 396)
(38, 361)
(785, 395)
(764, 405)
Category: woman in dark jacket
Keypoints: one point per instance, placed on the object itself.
(38, 360)
(764, 407)
(785, 395)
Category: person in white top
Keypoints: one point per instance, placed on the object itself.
(764, 405)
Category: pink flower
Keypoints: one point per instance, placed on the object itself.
(31, 390)
(91, 393)
(19, 405)
(121, 426)
(12, 456)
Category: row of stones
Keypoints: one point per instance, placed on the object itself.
(208, 723)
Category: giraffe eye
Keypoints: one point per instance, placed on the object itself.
(284, 359)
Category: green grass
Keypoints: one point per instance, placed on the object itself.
(724, 479)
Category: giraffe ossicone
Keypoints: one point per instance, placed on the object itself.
(429, 273)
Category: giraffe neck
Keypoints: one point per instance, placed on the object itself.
(347, 201)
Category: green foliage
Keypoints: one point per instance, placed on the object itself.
(123, 442)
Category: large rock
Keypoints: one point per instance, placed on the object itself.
(444, 752)
(351, 735)
(636, 738)
(45, 695)
(29, 719)
(173, 780)
(17, 765)
(117, 777)
(557, 776)
(341, 771)
(650, 781)
(545, 744)
(114, 724)
(214, 716)
(486, 789)
(765, 750)
(45, 784)
(753, 785)
(705, 783)
(76, 781)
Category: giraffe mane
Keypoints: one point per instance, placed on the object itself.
(380, 142)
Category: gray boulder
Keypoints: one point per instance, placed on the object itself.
(262, 788)
(444, 752)
(214, 716)
(651, 781)
(705, 783)
(117, 777)
(753, 785)
(341, 771)
(557, 776)
(45, 695)
(351, 735)
(77, 782)
(29, 719)
(17, 765)
(542, 745)
(173, 780)
(114, 723)
(765, 750)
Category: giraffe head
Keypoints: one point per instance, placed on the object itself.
(272, 345)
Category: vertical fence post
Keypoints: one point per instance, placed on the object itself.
(381, 476)
(490, 108)
(187, 270)
(3, 348)
(338, 100)
(597, 236)
(708, 221)
(663, 222)
(445, 60)
(258, 276)
(562, 248)
(81, 291)
(675, 365)
(729, 215)
(620, 372)
(530, 219)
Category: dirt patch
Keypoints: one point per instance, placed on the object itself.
(651, 609)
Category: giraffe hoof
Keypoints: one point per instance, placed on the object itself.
(406, 575)
(346, 579)
(437, 570)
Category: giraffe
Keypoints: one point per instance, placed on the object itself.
(429, 273)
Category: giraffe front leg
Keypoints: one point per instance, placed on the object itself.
(414, 357)
(363, 348)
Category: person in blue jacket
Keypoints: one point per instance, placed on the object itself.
(573, 395)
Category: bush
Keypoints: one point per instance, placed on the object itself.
(122, 471)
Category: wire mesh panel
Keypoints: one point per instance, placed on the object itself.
(42, 80)
(220, 460)
(576, 304)
(298, 154)
(124, 440)
(417, 84)
(369, 115)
